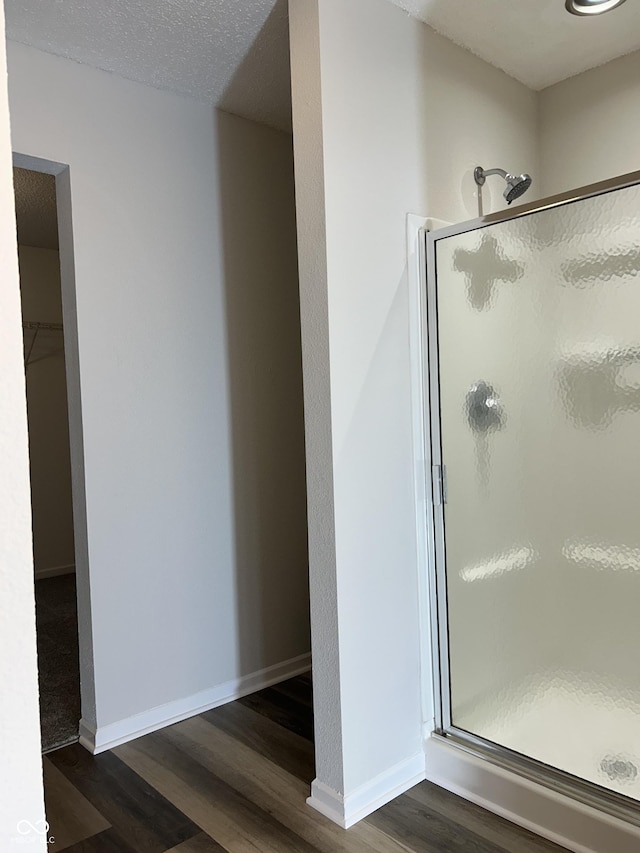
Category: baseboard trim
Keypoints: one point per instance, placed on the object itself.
(567, 822)
(102, 738)
(348, 809)
(54, 571)
(87, 736)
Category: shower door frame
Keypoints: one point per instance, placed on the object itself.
(559, 781)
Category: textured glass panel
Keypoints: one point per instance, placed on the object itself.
(539, 336)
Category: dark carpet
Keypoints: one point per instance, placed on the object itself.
(58, 665)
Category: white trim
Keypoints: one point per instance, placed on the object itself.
(74, 405)
(347, 809)
(37, 164)
(54, 571)
(106, 737)
(561, 819)
(328, 802)
(87, 737)
(416, 277)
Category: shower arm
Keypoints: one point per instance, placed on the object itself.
(481, 174)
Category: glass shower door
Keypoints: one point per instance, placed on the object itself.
(536, 375)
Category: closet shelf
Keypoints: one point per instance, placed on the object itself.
(36, 327)
(45, 327)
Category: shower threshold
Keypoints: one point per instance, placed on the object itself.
(583, 726)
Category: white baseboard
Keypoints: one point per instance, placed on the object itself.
(87, 736)
(565, 821)
(100, 739)
(54, 571)
(347, 809)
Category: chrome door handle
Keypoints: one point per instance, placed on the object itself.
(483, 408)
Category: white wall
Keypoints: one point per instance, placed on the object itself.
(172, 319)
(256, 199)
(590, 126)
(389, 118)
(50, 465)
(21, 796)
(472, 114)
(312, 264)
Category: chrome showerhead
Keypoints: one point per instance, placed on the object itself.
(517, 185)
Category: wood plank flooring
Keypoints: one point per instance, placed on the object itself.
(235, 779)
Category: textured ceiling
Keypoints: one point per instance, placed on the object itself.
(234, 53)
(536, 41)
(36, 209)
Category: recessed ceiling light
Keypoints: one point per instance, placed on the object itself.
(591, 7)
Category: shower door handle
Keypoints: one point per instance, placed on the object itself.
(483, 407)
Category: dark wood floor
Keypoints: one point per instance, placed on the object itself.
(236, 779)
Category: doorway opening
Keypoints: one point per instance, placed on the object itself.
(46, 264)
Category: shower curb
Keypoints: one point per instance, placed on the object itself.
(578, 827)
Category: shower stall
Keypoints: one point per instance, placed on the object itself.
(534, 368)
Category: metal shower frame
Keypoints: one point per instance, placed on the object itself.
(559, 781)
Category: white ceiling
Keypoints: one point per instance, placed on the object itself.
(536, 41)
(234, 53)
